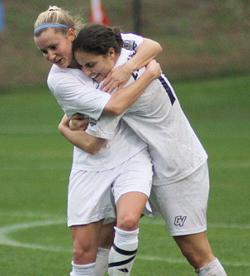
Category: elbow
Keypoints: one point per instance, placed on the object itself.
(115, 110)
(154, 45)
(87, 148)
(92, 150)
(158, 47)
(94, 146)
(60, 128)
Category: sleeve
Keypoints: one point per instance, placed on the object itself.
(76, 96)
(131, 41)
(105, 127)
(107, 124)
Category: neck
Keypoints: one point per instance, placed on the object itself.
(74, 64)
(117, 55)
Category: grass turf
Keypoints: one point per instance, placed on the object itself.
(35, 162)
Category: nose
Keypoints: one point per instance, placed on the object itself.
(86, 71)
(50, 56)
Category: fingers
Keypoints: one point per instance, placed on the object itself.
(110, 87)
(116, 78)
(106, 81)
(76, 124)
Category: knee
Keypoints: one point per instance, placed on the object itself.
(83, 252)
(128, 222)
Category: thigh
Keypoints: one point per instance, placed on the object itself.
(183, 204)
(135, 176)
(89, 197)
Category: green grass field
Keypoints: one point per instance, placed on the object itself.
(35, 162)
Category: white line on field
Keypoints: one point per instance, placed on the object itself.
(6, 240)
(145, 220)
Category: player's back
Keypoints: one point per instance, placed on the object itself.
(158, 119)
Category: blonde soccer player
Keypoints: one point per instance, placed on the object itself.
(122, 164)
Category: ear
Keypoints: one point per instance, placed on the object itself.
(111, 52)
(71, 34)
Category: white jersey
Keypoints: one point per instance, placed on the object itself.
(157, 118)
(76, 93)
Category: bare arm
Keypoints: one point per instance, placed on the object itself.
(79, 137)
(146, 51)
(117, 104)
(121, 100)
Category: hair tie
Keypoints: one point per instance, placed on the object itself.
(49, 25)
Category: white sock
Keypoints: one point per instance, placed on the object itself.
(214, 268)
(123, 252)
(102, 259)
(82, 270)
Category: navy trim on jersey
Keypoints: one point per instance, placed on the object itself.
(135, 75)
(168, 90)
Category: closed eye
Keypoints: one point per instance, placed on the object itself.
(51, 47)
(89, 65)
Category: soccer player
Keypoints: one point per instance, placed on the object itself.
(122, 163)
(181, 181)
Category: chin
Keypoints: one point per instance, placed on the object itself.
(63, 66)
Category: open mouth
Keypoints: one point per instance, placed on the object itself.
(59, 61)
(96, 77)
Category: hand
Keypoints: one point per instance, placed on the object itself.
(116, 78)
(78, 122)
(154, 68)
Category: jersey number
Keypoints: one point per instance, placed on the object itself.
(168, 90)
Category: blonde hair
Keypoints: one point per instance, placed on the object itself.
(56, 15)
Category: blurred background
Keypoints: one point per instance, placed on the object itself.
(201, 38)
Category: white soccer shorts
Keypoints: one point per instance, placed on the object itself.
(89, 192)
(183, 205)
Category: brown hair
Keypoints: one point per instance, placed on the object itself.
(98, 39)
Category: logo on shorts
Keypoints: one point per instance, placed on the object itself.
(179, 220)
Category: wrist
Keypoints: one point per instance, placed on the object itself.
(129, 67)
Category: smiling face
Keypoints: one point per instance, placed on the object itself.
(96, 66)
(56, 46)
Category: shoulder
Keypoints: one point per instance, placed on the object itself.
(56, 75)
(131, 41)
(60, 79)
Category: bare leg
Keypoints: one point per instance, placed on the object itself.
(123, 252)
(199, 254)
(85, 242)
(129, 207)
(195, 248)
